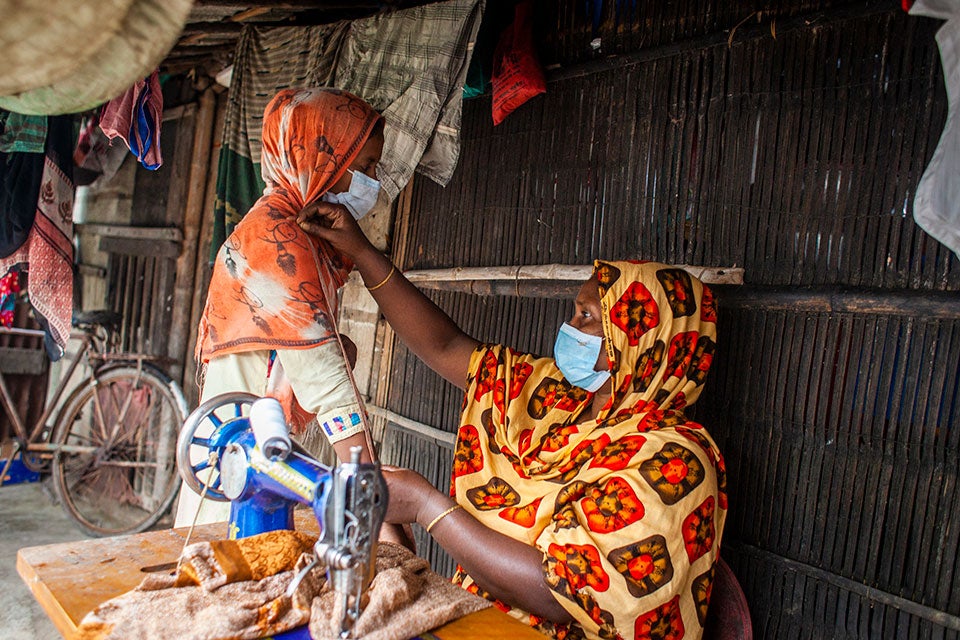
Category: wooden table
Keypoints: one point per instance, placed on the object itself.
(71, 579)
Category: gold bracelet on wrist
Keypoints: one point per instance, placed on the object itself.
(442, 516)
(393, 268)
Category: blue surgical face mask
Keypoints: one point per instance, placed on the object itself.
(576, 354)
(359, 198)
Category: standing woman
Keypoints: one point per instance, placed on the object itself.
(269, 324)
(584, 502)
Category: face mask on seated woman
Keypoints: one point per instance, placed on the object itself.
(576, 354)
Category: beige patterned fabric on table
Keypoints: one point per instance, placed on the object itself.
(236, 589)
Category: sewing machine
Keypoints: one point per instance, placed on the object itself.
(247, 457)
(70, 579)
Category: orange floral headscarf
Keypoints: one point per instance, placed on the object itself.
(628, 508)
(274, 286)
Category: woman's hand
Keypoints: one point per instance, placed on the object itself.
(412, 497)
(509, 569)
(333, 223)
(423, 326)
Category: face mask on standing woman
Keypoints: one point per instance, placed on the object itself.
(360, 198)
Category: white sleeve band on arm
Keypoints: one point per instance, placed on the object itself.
(321, 382)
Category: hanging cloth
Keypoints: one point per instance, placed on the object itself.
(517, 74)
(410, 65)
(9, 288)
(20, 133)
(46, 256)
(95, 158)
(135, 118)
(21, 167)
(936, 207)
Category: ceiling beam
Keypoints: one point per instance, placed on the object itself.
(296, 5)
(211, 28)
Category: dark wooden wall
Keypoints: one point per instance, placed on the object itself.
(141, 272)
(27, 389)
(791, 148)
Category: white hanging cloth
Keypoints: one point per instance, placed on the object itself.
(936, 206)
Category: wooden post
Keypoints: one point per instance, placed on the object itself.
(202, 267)
(192, 212)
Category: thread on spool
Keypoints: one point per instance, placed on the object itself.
(270, 429)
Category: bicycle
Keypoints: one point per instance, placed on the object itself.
(111, 447)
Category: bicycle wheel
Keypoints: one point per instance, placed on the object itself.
(115, 469)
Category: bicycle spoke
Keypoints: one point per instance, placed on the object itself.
(98, 407)
(77, 465)
(122, 414)
(128, 434)
(106, 481)
(84, 438)
(129, 464)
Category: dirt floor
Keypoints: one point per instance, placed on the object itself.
(29, 517)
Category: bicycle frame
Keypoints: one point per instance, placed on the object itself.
(31, 441)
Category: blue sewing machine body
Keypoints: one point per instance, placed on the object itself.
(263, 493)
(250, 461)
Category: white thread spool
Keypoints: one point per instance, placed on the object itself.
(270, 430)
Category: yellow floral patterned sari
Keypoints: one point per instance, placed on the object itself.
(628, 509)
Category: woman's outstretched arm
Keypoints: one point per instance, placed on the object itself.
(509, 570)
(426, 330)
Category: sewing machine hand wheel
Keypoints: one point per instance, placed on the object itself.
(207, 431)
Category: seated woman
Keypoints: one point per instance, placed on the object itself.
(584, 501)
(269, 323)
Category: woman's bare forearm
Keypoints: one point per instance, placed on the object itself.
(426, 330)
(423, 327)
(509, 570)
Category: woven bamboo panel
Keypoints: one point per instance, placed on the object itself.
(792, 149)
(795, 158)
(565, 29)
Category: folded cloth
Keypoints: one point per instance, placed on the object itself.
(214, 564)
(404, 600)
(249, 609)
(21, 133)
(237, 589)
(221, 589)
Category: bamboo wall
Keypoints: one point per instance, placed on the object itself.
(791, 148)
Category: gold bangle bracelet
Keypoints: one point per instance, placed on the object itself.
(442, 516)
(393, 268)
